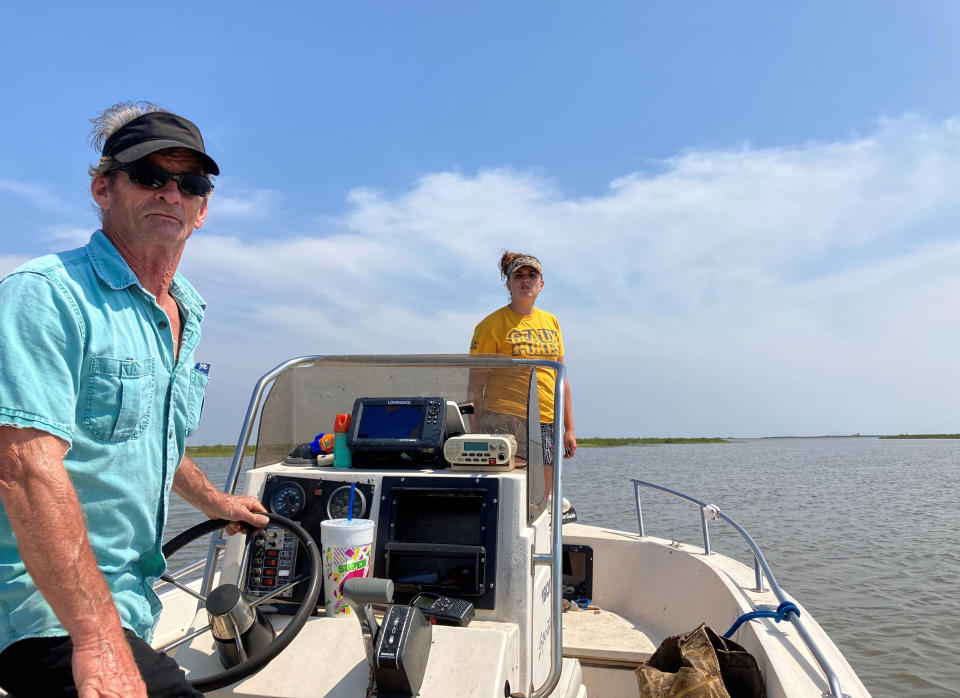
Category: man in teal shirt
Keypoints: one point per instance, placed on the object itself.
(98, 391)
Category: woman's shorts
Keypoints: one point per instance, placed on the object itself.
(496, 423)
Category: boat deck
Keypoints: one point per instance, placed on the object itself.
(596, 636)
(609, 648)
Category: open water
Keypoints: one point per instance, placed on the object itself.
(862, 531)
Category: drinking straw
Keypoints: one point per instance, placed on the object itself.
(353, 489)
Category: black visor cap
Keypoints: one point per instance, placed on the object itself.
(155, 131)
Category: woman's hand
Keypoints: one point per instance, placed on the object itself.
(569, 444)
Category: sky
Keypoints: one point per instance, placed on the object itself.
(747, 212)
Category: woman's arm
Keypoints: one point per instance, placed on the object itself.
(569, 436)
(483, 342)
(478, 379)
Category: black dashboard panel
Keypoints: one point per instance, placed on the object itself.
(272, 554)
(439, 535)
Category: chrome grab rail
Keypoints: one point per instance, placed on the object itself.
(237, 463)
(710, 512)
(554, 559)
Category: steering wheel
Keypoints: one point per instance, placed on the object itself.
(252, 664)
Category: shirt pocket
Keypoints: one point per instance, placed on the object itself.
(195, 394)
(119, 397)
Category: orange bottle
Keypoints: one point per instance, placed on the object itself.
(341, 453)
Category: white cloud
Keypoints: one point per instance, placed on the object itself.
(39, 197)
(67, 236)
(245, 204)
(750, 291)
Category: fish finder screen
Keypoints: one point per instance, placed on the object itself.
(390, 422)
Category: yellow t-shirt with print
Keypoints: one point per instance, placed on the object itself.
(534, 336)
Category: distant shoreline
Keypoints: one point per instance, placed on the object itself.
(217, 451)
(921, 436)
(592, 442)
(227, 451)
(866, 436)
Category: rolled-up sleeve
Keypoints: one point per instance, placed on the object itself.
(41, 340)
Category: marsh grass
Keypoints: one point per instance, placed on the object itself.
(922, 436)
(217, 451)
(647, 441)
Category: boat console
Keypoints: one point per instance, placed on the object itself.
(479, 536)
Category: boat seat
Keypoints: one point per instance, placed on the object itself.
(600, 637)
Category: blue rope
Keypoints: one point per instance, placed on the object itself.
(778, 615)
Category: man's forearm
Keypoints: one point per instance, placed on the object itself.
(48, 523)
(191, 483)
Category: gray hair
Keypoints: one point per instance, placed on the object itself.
(106, 124)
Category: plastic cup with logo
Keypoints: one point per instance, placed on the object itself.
(346, 545)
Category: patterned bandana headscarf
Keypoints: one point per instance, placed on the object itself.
(523, 261)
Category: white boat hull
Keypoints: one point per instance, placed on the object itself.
(644, 589)
(650, 588)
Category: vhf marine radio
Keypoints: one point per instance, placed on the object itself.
(478, 452)
(397, 432)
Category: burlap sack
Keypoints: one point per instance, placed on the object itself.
(700, 665)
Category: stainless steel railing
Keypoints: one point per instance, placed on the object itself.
(710, 512)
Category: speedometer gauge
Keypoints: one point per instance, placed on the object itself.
(339, 503)
(287, 500)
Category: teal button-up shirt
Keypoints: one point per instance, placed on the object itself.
(86, 354)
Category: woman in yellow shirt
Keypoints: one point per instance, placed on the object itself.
(519, 330)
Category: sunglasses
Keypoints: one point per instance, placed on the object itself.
(146, 174)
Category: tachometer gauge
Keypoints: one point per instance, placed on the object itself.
(287, 500)
(339, 503)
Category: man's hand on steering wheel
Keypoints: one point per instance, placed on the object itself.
(241, 511)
